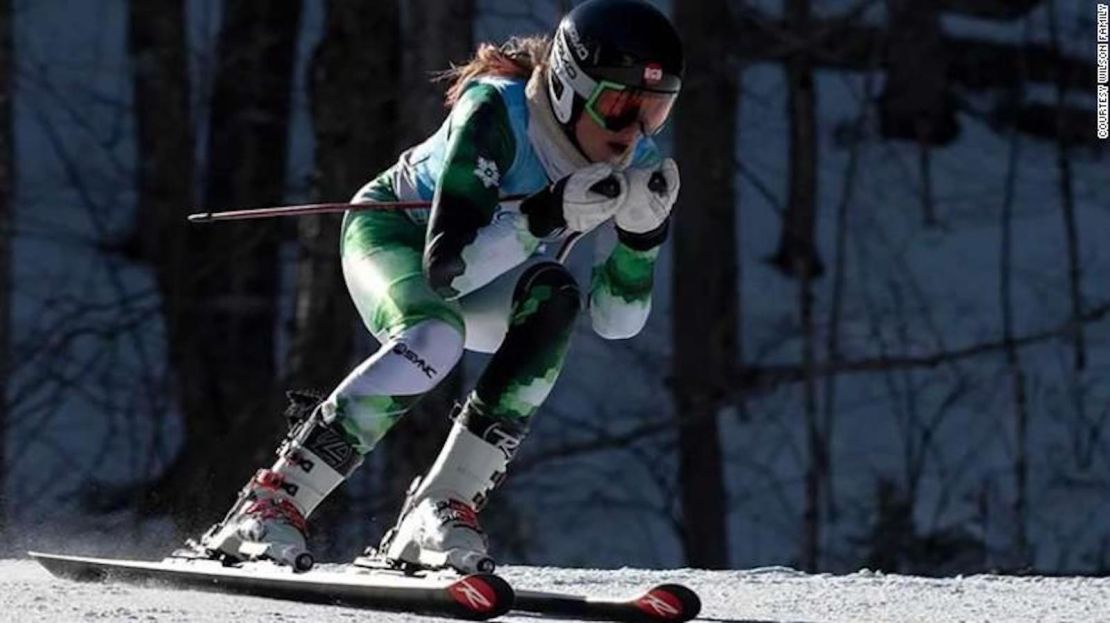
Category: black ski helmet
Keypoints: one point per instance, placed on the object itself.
(619, 60)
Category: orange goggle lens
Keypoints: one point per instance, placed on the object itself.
(615, 107)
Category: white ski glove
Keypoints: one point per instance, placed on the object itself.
(592, 195)
(579, 202)
(651, 195)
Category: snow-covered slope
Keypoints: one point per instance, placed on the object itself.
(29, 593)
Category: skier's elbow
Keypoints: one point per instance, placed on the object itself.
(616, 328)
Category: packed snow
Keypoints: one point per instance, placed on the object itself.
(29, 593)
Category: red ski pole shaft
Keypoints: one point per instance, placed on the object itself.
(298, 210)
(333, 208)
(315, 208)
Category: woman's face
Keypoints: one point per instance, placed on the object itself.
(601, 145)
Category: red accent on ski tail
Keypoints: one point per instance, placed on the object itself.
(474, 594)
(660, 604)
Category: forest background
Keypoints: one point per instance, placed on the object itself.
(879, 334)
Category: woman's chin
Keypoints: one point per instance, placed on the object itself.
(606, 153)
(611, 157)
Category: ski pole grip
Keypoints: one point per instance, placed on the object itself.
(609, 187)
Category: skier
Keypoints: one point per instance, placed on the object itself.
(566, 120)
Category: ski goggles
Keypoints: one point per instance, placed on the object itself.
(616, 106)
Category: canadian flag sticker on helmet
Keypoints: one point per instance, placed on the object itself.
(653, 73)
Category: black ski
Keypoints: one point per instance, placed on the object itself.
(664, 603)
(476, 597)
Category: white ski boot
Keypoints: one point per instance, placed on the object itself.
(268, 521)
(438, 527)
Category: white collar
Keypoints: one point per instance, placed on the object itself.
(558, 155)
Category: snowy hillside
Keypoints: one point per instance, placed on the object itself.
(29, 593)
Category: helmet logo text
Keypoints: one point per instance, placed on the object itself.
(563, 62)
(579, 49)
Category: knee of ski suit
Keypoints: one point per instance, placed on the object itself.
(410, 363)
(432, 347)
(524, 368)
(547, 299)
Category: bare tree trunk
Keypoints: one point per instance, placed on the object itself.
(797, 254)
(440, 32)
(165, 175)
(1013, 359)
(1085, 431)
(915, 104)
(704, 330)
(223, 338)
(354, 78)
(157, 46)
(7, 184)
(928, 202)
(833, 353)
(1067, 202)
(817, 442)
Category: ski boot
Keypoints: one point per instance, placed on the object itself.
(438, 527)
(268, 521)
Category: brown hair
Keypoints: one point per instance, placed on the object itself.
(516, 58)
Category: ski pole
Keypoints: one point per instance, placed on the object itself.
(316, 208)
(608, 187)
(336, 208)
